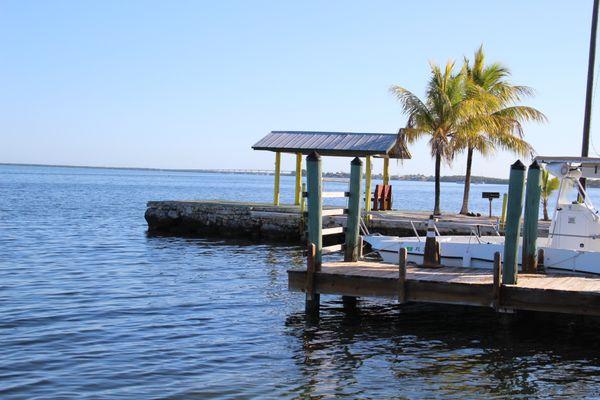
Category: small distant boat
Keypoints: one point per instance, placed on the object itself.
(573, 242)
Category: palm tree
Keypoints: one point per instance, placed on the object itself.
(439, 116)
(548, 186)
(503, 125)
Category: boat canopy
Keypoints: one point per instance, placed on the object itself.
(586, 167)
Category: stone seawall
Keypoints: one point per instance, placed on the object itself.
(256, 221)
(229, 219)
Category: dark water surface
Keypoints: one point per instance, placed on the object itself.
(93, 307)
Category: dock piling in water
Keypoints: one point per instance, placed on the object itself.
(353, 219)
(315, 206)
(513, 222)
(531, 216)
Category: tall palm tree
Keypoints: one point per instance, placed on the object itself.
(502, 128)
(439, 116)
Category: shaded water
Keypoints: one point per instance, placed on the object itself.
(93, 307)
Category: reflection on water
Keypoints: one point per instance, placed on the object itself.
(428, 351)
(93, 307)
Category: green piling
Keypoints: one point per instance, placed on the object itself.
(353, 219)
(531, 216)
(315, 219)
(513, 222)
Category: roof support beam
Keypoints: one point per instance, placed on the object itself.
(298, 192)
(386, 171)
(368, 185)
(277, 174)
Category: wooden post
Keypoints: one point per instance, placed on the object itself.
(497, 282)
(353, 219)
(315, 205)
(361, 244)
(431, 253)
(386, 171)
(277, 174)
(402, 258)
(540, 260)
(503, 217)
(513, 222)
(311, 305)
(298, 191)
(303, 199)
(530, 224)
(368, 193)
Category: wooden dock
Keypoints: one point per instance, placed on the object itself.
(571, 294)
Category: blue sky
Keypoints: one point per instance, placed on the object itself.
(194, 84)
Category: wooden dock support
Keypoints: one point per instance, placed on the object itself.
(368, 193)
(503, 216)
(277, 176)
(431, 255)
(315, 204)
(313, 298)
(298, 185)
(402, 259)
(386, 171)
(497, 281)
(353, 220)
(531, 216)
(315, 234)
(513, 222)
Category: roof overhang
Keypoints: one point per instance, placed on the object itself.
(340, 144)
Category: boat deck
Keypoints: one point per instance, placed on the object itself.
(563, 293)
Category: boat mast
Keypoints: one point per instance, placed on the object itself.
(585, 145)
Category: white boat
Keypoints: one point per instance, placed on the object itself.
(573, 242)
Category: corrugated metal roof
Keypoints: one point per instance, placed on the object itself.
(348, 144)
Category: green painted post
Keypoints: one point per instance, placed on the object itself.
(532, 213)
(353, 219)
(503, 217)
(315, 205)
(513, 222)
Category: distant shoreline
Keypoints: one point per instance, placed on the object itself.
(330, 176)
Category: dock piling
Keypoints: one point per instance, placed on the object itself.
(402, 258)
(313, 299)
(431, 255)
(497, 281)
(531, 216)
(513, 222)
(315, 206)
(353, 220)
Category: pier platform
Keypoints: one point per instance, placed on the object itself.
(555, 293)
(285, 222)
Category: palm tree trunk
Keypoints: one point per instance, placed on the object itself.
(545, 204)
(465, 204)
(438, 162)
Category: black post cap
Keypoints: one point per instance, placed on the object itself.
(534, 165)
(313, 156)
(518, 165)
(356, 161)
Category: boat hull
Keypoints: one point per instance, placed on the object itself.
(464, 251)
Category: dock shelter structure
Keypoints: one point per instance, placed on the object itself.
(338, 144)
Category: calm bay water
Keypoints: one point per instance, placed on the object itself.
(93, 307)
